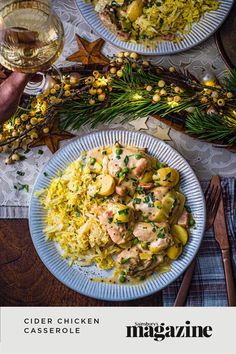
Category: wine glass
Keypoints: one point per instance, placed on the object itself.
(31, 38)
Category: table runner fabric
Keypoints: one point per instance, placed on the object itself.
(208, 286)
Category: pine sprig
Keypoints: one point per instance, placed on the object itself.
(230, 82)
(130, 99)
(211, 127)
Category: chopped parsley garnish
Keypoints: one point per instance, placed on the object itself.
(110, 220)
(191, 222)
(167, 176)
(21, 187)
(151, 205)
(123, 212)
(40, 152)
(154, 229)
(139, 189)
(45, 174)
(104, 152)
(135, 241)
(118, 157)
(188, 209)
(124, 260)
(92, 161)
(125, 170)
(144, 245)
(160, 234)
(126, 160)
(137, 200)
(22, 158)
(122, 279)
(20, 173)
(161, 165)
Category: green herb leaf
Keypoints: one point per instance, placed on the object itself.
(124, 212)
(126, 160)
(125, 260)
(20, 173)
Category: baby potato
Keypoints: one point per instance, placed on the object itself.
(122, 213)
(134, 10)
(180, 233)
(174, 251)
(106, 185)
(167, 177)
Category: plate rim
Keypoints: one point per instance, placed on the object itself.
(154, 52)
(66, 281)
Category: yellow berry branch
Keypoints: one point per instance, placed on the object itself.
(131, 87)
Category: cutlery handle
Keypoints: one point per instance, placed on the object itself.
(184, 288)
(229, 278)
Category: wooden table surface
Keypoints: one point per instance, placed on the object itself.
(25, 281)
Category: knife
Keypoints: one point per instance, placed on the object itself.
(221, 236)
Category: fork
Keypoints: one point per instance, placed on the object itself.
(212, 196)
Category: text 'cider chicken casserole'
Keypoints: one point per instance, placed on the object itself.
(118, 207)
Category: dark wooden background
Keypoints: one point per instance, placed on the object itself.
(25, 281)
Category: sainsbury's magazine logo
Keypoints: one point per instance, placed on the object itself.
(161, 331)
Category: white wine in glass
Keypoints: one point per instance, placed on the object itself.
(31, 35)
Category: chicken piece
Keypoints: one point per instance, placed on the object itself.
(117, 232)
(96, 154)
(128, 257)
(134, 160)
(121, 190)
(141, 166)
(130, 261)
(145, 186)
(161, 244)
(160, 192)
(148, 209)
(126, 188)
(184, 218)
(124, 35)
(144, 232)
(147, 232)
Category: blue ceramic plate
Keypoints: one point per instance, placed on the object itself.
(200, 31)
(78, 278)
